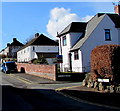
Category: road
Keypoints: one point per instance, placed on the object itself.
(23, 92)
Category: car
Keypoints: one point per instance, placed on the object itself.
(8, 67)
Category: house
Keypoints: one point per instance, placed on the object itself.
(67, 39)
(11, 50)
(37, 47)
(77, 40)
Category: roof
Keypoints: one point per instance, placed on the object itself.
(73, 27)
(116, 19)
(41, 40)
(92, 24)
(15, 43)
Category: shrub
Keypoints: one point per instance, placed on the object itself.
(105, 62)
(41, 60)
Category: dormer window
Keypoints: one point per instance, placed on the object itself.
(107, 35)
(64, 41)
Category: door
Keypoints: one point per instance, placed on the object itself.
(70, 62)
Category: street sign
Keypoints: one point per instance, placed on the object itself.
(103, 80)
(59, 58)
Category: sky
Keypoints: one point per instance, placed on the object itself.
(22, 20)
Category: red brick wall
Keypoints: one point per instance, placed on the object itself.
(46, 71)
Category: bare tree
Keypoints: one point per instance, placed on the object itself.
(29, 39)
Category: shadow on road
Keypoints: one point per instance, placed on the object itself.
(18, 99)
(111, 99)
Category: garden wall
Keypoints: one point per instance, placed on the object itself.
(46, 71)
(70, 76)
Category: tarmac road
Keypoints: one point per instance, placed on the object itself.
(22, 92)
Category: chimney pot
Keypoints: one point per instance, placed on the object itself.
(37, 34)
(117, 8)
(8, 44)
(14, 39)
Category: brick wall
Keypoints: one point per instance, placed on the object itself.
(46, 71)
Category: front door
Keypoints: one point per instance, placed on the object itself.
(70, 62)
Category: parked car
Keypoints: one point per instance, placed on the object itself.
(8, 67)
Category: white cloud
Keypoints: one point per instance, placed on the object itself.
(60, 18)
(87, 18)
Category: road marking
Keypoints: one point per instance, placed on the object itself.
(21, 79)
(58, 89)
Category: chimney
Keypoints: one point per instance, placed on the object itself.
(37, 34)
(14, 39)
(117, 8)
(8, 44)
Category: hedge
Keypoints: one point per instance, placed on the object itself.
(105, 62)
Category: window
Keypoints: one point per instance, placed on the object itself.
(107, 35)
(33, 48)
(76, 56)
(64, 41)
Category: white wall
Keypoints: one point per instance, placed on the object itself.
(46, 48)
(71, 40)
(77, 64)
(28, 53)
(24, 55)
(98, 38)
(65, 51)
(6, 51)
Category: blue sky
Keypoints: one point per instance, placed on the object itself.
(23, 19)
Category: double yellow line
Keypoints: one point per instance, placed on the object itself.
(21, 79)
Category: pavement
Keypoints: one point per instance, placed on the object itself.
(37, 79)
(92, 96)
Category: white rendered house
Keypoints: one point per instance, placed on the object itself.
(76, 46)
(39, 46)
(67, 39)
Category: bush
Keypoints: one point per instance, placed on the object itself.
(105, 62)
(41, 60)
